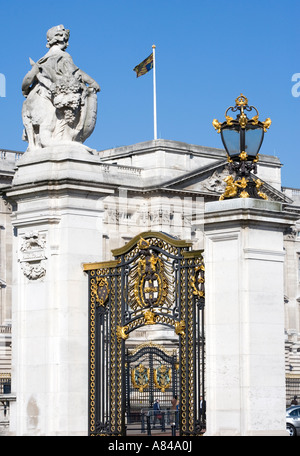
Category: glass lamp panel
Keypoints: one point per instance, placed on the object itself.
(253, 141)
(231, 141)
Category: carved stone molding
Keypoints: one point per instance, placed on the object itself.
(290, 233)
(32, 242)
(33, 255)
(215, 182)
(33, 271)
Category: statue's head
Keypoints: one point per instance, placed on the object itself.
(58, 35)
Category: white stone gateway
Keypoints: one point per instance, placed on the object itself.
(245, 376)
(62, 197)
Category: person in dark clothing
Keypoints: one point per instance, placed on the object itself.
(294, 401)
(156, 412)
(202, 409)
(174, 403)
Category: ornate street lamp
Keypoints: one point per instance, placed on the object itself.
(242, 138)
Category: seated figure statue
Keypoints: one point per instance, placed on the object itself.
(61, 100)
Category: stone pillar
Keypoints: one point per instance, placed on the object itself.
(245, 374)
(57, 223)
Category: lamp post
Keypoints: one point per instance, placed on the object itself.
(242, 138)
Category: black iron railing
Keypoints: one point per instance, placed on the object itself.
(5, 384)
(148, 421)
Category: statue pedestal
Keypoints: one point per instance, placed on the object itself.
(245, 375)
(57, 222)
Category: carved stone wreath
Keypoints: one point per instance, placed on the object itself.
(33, 255)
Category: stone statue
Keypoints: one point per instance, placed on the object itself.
(61, 100)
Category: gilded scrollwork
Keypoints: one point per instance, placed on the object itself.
(197, 281)
(180, 328)
(121, 332)
(150, 283)
(100, 290)
(258, 184)
(232, 187)
(267, 124)
(243, 155)
(140, 377)
(217, 125)
(150, 317)
(151, 288)
(162, 377)
(143, 244)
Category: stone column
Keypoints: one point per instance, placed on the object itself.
(245, 374)
(57, 222)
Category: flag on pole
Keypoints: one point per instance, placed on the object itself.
(145, 66)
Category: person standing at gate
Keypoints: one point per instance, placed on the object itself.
(294, 401)
(156, 412)
(202, 409)
(175, 406)
(174, 402)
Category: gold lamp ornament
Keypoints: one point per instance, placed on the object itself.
(242, 138)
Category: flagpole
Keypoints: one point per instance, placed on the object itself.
(154, 94)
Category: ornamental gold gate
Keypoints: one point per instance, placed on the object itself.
(155, 282)
(151, 373)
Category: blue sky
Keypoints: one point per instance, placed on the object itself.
(207, 53)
